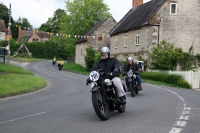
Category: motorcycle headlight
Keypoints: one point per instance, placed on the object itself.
(92, 84)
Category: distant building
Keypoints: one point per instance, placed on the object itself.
(102, 38)
(145, 25)
(4, 31)
(31, 36)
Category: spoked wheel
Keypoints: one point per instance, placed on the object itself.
(101, 107)
(132, 89)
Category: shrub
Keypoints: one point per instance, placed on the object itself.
(167, 78)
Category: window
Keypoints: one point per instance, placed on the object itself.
(115, 41)
(125, 39)
(173, 8)
(35, 40)
(137, 39)
(100, 37)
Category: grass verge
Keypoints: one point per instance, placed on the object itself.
(15, 84)
(21, 59)
(15, 80)
(72, 67)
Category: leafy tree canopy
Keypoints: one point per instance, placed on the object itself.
(165, 56)
(82, 15)
(52, 25)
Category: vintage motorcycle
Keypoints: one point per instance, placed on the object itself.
(104, 95)
(60, 67)
(133, 86)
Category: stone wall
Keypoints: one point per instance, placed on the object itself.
(96, 43)
(182, 29)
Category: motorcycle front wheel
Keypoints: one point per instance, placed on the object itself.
(122, 108)
(132, 88)
(100, 106)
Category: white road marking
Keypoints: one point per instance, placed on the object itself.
(176, 130)
(182, 117)
(23, 64)
(187, 108)
(23, 117)
(181, 123)
(186, 112)
(196, 108)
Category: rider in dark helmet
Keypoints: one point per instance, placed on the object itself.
(111, 65)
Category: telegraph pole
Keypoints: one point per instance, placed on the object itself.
(9, 32)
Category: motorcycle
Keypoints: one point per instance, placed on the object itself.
(133, 86)
(60, 67)
(104, 95)
(53, 62)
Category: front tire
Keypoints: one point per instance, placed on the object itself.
(101, 107)
(122, 108)
(132, 88)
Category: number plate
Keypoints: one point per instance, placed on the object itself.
(94, 76)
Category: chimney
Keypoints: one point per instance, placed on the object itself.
(136, 3)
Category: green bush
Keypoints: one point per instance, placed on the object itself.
(90, 57)
(167, 78)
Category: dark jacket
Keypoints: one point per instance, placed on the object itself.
(135, 68)
(107, 65)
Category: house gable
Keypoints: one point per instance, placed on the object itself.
(138, 16)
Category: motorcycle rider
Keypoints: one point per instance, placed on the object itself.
(110, 65)
(54, 59)
(135, 67)
(60, 62)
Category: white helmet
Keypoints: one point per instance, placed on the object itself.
(105, 50)
(130, 59)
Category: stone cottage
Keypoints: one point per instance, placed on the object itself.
(97, 37)
(5, 34)
(31, 36)
(145, 25)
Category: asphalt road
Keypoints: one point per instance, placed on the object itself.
(65, 106)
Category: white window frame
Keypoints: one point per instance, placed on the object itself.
(125, 40)
(171, 4)
(137, 37)
(116, 42)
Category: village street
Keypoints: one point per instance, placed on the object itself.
(65, 106)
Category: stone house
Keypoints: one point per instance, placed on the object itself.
(5, 34)
(31, 36)
(97, 37)
(145, 25)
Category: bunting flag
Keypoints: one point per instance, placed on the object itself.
(57, 34)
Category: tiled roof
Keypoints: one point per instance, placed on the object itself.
(89, 32)
(2, 26)
(26, 38)
(43, 35)
(138, 16)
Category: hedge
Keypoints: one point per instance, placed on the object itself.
(167, 78)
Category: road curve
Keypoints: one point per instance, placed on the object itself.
(65, 106)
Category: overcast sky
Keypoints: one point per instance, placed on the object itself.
(38, 11)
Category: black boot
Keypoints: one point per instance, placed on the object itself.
(123, 99)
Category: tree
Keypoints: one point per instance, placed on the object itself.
(4, 15)
(23, 22)
(52, 25)
(82, 15)
(90, 57)
(165, 56)
(188, 60)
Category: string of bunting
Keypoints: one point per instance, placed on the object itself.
(57, 34)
